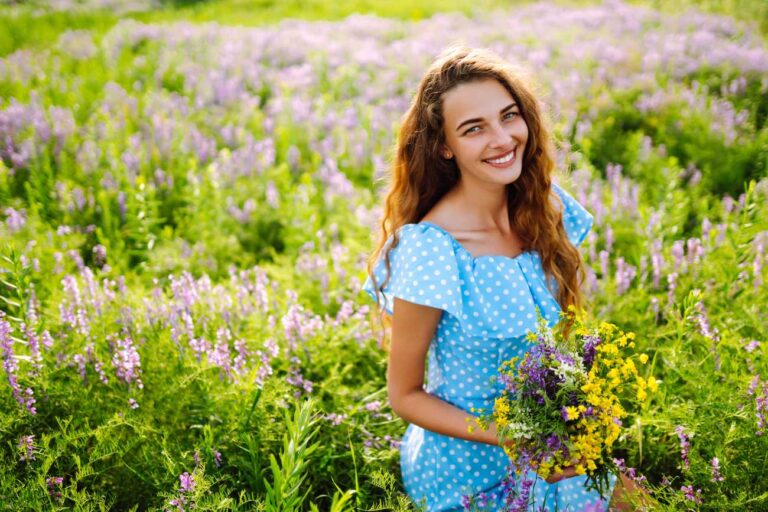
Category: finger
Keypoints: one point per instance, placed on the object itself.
(556, 477)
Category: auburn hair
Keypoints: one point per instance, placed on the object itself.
(420, 176)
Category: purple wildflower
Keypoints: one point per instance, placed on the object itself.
(133, 404)
(335, 419)
(594, 506)
(241, 358)
(761, 405)
(53, 482)
(186, 482)
(716, 476)
(24, 398)
(71, 309)
(672, 281)
(220, 354)
(27, 448)
(393, 443)
(127, 362)
(685, 446)
(99, 255)
(691, 494)
(553, 442)
(217, 458)
(520, 503)
(15, 220)
(590, 350)
(265, 356)
(295, 378)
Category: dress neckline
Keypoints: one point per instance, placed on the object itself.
(466, 251)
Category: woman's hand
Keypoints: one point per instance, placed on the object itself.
(568, 472)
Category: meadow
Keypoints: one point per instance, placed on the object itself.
(186, 210)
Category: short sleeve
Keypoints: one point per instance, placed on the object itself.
(577, 221)
(423, 270)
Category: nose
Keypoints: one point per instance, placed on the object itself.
(500, 136)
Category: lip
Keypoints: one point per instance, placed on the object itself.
(503, 155)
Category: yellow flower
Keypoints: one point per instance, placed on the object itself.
(501, 411)
(653, 386)
(643, 358)
(572, 412)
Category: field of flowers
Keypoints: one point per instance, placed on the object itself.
(186, 210)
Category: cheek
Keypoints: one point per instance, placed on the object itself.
(470, 147)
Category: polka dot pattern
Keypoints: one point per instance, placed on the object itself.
(489, 304)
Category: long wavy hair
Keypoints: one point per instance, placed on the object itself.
(420, 176)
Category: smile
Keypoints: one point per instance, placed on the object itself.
(505, 159)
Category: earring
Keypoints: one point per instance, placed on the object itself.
(447, 155)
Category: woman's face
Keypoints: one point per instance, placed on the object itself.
(484, 132)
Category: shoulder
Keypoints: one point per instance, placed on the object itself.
(421, 240)
(421, 267)
(577, 221)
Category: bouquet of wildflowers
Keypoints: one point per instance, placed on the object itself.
(563, 403)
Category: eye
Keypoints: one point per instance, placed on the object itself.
(510, 115)
(474, 129)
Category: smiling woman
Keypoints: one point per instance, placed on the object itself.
(475, 237)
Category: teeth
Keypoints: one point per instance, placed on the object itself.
(504, 159)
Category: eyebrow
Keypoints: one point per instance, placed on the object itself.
(480, 119)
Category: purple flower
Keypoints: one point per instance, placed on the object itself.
(716, 476)
(691, 494)
(27, 448)
(99, 255)
(335, 419)
(127, 362)
(25, 398)
(594, 506)
(186, 482)
(553, 443)
(761, 404)
(520, 503)
(590, 350)
(295, 378)
(685, 446)
(53, 482)
(217, 458)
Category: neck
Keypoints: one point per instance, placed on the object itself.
(485, 204)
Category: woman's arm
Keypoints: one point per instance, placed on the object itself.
(413, 327)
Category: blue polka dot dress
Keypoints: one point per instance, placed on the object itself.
(489, 305)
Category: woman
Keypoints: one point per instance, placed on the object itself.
(475, 237)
